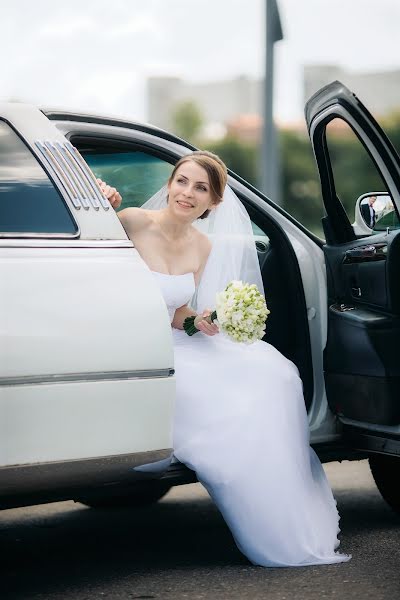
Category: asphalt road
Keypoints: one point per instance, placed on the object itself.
(181, 548)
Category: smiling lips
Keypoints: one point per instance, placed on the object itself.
(184, 204)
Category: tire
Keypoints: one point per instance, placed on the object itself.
(386, 471)
(144, 495)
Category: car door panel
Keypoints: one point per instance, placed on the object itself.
(362, 372)
(366, 272)
(86, 357)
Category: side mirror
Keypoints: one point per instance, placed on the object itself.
(374, 211)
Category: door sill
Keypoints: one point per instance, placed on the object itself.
(371, 441)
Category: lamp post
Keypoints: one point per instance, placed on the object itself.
(269, 152)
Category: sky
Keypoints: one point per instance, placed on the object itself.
(95, 55)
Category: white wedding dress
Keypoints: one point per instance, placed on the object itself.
(241, 425)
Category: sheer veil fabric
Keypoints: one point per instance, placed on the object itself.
(233, 255)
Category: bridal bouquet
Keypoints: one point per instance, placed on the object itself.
(241, 312)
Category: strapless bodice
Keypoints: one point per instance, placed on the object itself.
(177, 290)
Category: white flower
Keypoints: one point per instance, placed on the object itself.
(241, 312)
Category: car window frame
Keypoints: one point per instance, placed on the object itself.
(59, 190)
(140, 146)
(367, 151)
(133, 145)
(331, 202)
(124, 144)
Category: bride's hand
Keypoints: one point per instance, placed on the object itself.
(111, 193)
(204, 325)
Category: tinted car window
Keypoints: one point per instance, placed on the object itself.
(29, 203)
(135, 174)
(354, 171)
(389, 219)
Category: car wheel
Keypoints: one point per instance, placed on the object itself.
(386, 471)
(140, 496)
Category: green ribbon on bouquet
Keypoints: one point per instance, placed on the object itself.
(190, 327)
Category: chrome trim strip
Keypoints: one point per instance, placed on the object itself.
(70, 172)
(62, 243)
(21, 235)
(84, 178)
(88, 192)
(88, 176)
(85, 377)
(60, 174)
(89, 173)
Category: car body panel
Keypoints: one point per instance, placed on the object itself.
(86, 357)
(102, 317)
(116, 322)
(88, 377)
(362, 376)
(45, 423)
(33, 127)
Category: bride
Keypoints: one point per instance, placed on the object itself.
(240, 419)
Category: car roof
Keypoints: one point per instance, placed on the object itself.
(81, 117)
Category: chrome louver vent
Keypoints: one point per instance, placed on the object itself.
(74, 174)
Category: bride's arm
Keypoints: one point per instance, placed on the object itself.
(133, 220)
(202, 325)
(180, 315)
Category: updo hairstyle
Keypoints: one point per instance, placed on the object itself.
(216, 171)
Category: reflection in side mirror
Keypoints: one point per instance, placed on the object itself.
(374, 211)
(368, 210)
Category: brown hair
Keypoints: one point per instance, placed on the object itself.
(216, 171)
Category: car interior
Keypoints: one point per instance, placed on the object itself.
(287, 325)
(362, 373)
(362, 369)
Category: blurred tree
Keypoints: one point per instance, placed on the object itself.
(300, 181)
(241, 157)
(353, 169)
(391, 124)
(187, 121)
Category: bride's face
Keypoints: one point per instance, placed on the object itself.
(189, 191)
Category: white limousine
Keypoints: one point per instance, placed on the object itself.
(87, 382)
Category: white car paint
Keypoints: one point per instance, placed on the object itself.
(86, 358)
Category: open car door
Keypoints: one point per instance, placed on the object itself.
(361, 362)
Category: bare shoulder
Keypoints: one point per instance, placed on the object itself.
(134, 219)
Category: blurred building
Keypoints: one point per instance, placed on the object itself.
(218, 101)
(379, 91)
(245, 127)
(235, 105)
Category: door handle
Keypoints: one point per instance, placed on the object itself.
(366, 253)
(361, 252)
